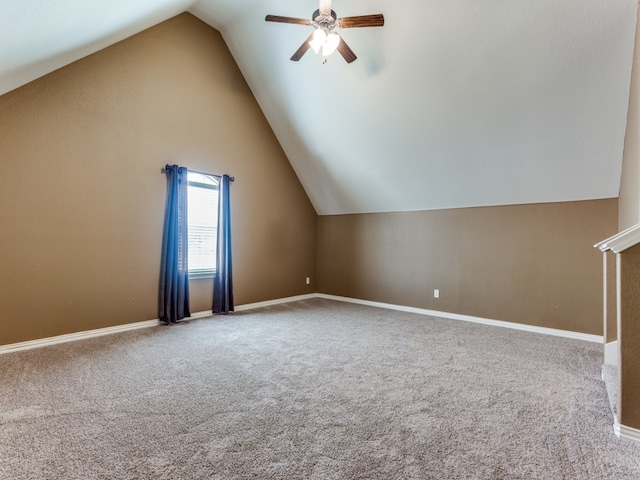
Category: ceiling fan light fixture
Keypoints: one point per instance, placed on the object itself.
(319, 39)
(332, 42)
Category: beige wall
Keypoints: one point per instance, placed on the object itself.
(532, 264)
(630, 181)
(629, 335)
(82, 196)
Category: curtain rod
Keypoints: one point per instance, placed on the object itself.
(231, 179)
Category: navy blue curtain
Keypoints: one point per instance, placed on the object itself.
(173, 297)
(223, 279)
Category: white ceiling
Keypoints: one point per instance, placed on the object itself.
(452, 103)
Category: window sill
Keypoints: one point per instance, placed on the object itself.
(198, 275)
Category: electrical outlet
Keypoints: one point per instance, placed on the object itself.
(436, 293)
(308, 280)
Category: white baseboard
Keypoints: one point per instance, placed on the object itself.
(72, 337)
(277, 301)
(99, 332)
(266, 303)
(622, 431)
(467, 318)
(611, 353)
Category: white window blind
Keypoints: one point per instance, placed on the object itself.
(202, 223)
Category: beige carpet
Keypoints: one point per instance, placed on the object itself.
(311, 390)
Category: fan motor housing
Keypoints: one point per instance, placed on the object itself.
(317, 16)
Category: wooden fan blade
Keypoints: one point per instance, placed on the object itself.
(376, 20)
(279, 19)
(302, 50)
(346, 51)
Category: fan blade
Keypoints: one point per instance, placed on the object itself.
(302, 50)
(279, 19)
(346, 51)
(325, 7)
(376, 20)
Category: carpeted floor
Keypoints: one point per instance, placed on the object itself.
(311, 390)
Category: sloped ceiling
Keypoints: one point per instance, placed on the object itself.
(450, 104)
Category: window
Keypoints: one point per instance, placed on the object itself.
(202, 203)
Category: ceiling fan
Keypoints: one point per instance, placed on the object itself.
(324, 38)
